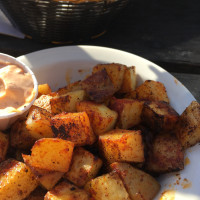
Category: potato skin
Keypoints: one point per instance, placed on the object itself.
(150, 91)
(84, 167)
(38, 123)
(129, 80)
(138, 183)
(20, 137)
(74, 127)
(115, 72)
(129, 112)
(66, 191)
(107, 187)
(16, 180)
(159, 116)
(67, 102)
(122, 146)
(99, 87)
(102, 118)
(188, 128)
(166, 155)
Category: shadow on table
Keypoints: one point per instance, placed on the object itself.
(156, 29)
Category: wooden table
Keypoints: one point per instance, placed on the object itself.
(165, 32)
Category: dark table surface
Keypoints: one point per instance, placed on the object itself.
(165, 32)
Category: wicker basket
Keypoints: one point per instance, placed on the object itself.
(62, 21)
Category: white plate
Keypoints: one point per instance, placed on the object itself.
(59, 66)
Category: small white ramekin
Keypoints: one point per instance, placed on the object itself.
(7, 119)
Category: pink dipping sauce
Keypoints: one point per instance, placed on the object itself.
(16, 88)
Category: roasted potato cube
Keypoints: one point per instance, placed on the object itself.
(129, 112)
(122, 146)
(84, 167)
(138, 184)
(74, 127)
(67, 102)
(69, 88)
(188, 128)
(166, 155)
(159, 116)
(44, 102)
(37, 194)
(52, 154)
(102, 119)
(129, 80)
(4, 142)
(107, 187)
(66, 191)
(38, 123)
(99, 87)
(150, 90)
(20, 137)
(44, 89)
(47, 179)
(16, 180)
(115, 72)
(60, 102)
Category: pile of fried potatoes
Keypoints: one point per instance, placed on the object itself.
(102, 138)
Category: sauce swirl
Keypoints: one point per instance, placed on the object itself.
(16, 88)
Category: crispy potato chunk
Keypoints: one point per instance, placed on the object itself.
(129, 80)
(139, 184)
(107, 187)
(115, 72)
(159, 116)
(102, 119)
(122, 146)
(74, 127)
(20, 137)
(150, 90)
(4, 142)
(129, 112)
(84, 167)
(66, 191)
(52, 154)
(166, 155)
(60, 102)
(44, 102)
(98, 86)
(188, 128)
(67, 102)
(38, 123)
(16, 180)
(44, 89)
(47, 179)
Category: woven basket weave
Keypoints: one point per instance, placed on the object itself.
(62, 21)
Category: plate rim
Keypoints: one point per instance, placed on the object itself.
(89, 47)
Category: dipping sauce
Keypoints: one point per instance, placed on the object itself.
(16, 88)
